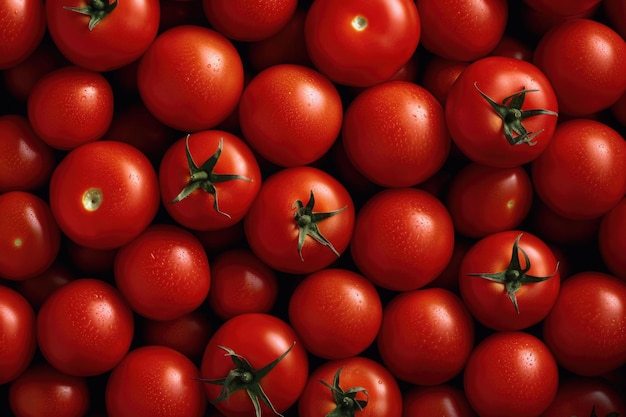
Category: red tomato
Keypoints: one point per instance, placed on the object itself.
(336, 313)
(585, 62)
(89, 261)
(352, 386)
(436, 400)
(501, 111)
(513, 47)
(290, 114)
(462, 30)
(361, 43)
(104, 194)
(403, 239)
(426, 336)
(554, 228)
(30, 238)
(17, 332)
(586, 397)
(562, 7)
(612, 239)
(218, 75)
(71, 106)
(301, 220)
(38, 288)
(439, 74)
(85, 327)
(585, 328)
(155, 381)
(615, 11)
(395, 134)
(163, 273)
(24, 25)
(102, 35)
(582, 173)
(511, 374)
(269, 374)
(43, 391)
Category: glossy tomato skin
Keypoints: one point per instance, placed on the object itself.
(384, 395)
(272, 231)
(426, 336)
(24, 24)
(172, 96)
(395, 134)
(475, 126)
(103, 194)
(30, 237)
(584, 329)
(85, 327)
(612, 239)
(512, 374)
(119, 39)
(403, 238)
(17, 330)
(443, 399)
(582, 173)
(361, 43)
(578, 396)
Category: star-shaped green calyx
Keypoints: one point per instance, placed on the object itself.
(202, 177)
(307, 221)
(515, 276)
(97, 10)
(512, 115)
(346, 401)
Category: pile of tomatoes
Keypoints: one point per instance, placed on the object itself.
(323, 208)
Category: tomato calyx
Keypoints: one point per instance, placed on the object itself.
(512, 115)
(307, 221)
(593, 413)
(346, 401)
(97, 10)
(202, 177)
(515, 276)
(245, 377)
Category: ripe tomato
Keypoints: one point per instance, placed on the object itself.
(403, 238)
(39, 287)
(555, 228)
(582, 173)
(356, 386)
(612, 239)
(301, 220)
(586, 397)
(102, 35)
(501, 111)
(290, 114)
(24, 25)
(507, 291)
(439, 74)
(511, 374)
(395, 134)
(243, 378)
(17, 332)
(30, 238)
(426, 336)
(436, 400)
(562, 7)
(585, 328)
(103, 194)
(361, 43)
(172, 95)
(85, 327)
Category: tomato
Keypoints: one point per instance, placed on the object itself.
(85, 327)
(89, 261)
(46, 392)
(436, 400)
(615, 11)
(71, 106)
(104, 194)
(562, 7)
(511, 374)
(585, 327)
(403, 239)
(254, 363)
(17, 332)
(612, 239)
(39, 287)
(507, 291)
(361, 43)
(155, 381)
(336, 313)
(582, 173)
(586, 397)
(30, 238)
(301, 220)
(395, 134)
(426, 336)
(163, 273)
(513, 47)
(171, 94)
(439, 74)
(555, 228)
(102, 35)
(241, 283)
(585, 62)
(352, 386)
(501, 111)
(483, 200)
(248, 21)
(290, 114)
(24, 26)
